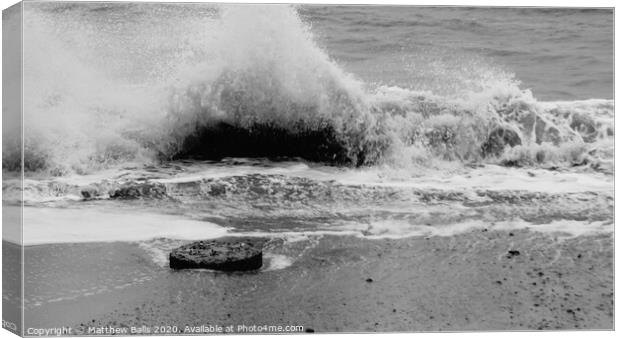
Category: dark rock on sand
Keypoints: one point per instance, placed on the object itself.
(498, 139)
(369, 280)
(513, 253)
(225, 255)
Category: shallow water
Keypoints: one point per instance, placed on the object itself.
(190, 200)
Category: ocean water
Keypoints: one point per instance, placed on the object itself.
(558, 53)
(164, 123)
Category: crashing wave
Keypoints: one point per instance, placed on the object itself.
(256, 89)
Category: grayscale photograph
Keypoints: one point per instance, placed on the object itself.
(212, 168)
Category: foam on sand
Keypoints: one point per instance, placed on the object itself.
(53, 225)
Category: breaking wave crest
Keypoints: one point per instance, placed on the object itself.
(265, 88)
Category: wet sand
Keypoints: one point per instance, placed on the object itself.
(481, 280)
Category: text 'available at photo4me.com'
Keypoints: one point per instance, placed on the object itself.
(163, 329)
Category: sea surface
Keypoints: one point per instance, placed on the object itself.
(157, 124)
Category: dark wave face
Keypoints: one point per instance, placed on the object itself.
(109, 85)
(261, 140)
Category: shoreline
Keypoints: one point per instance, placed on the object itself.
(480, 280)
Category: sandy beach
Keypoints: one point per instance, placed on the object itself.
(482, 280)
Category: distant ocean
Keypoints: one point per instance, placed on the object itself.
(559, 53)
